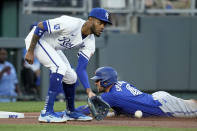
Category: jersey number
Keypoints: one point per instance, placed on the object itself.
(133, 91)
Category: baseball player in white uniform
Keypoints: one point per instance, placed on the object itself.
(47, 40)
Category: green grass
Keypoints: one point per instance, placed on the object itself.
(55, 127)
(33, 106)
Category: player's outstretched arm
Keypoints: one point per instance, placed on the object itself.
(83, 76)
(39, 31)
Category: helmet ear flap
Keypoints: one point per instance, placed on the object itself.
(105, 84)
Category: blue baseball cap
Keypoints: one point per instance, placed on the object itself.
(100, 14)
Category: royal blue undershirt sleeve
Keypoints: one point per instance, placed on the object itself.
(45, 26)
(81, 71)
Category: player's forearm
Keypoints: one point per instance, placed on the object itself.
(34, 41)
(82, 74)
(81, 71)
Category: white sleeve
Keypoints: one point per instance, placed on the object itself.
(63, 23)
(89, 47)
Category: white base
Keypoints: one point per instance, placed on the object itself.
(5, 114)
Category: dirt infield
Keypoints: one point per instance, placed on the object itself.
(32, 118)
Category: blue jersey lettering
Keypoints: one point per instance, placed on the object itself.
(65, 42)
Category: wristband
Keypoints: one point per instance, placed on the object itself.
(39, 32)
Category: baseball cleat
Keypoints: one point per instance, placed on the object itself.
(77, 116)
(74, 116)
(51, 117)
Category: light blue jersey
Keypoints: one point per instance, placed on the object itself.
(7, 83)
(124, 98)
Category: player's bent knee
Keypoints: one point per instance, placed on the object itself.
(70, 78)
(59, 70)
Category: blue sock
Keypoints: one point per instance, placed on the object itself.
(69, 91)
(54, 87)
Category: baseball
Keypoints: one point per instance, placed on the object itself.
(138, 114)
(110, 114)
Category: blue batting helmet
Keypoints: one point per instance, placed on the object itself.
(101, 14)
(106, 75)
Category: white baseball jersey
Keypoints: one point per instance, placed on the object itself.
(63, 33)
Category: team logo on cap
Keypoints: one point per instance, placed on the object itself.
(107, 15)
